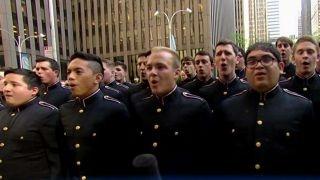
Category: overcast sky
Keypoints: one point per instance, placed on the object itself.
(289, 13)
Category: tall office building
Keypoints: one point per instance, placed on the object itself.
(257, 21)
(315, 20)
(273, 20)
(114, 29)
(239, 23)
(306, 17)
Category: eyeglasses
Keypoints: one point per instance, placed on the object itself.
(265, 60)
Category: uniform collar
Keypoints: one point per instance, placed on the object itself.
(306, 80)
(25, 105)
(112, 83)
(168, 96)
(53, 85)
(230, 83)
(89, 99)
(266, 95)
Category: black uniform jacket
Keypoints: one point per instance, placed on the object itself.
(96, 136)
(194, 85)
(28, 141)
(56, 95)
(173, 128)
(289, 70)
(109, 91)
(269, 133)
(309, 88)
(217, 91)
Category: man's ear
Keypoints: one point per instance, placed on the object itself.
(177, 73)
(281, 66)
(98, 78)
(35, 91)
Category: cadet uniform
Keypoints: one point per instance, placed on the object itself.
(28, 141)
(118, 86)
(309, 88)
(173, 128)
(96, 136)
(194, 86)
(181, 83)
(56, 94)
(241, 73)
(217, 91)
(139, 87)
(289, 70)
(106, 90)
(1, 107)
(265, 133)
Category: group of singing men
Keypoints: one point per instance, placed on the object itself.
(259, 116)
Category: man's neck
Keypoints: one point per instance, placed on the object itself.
(305, 75)
(227, 78)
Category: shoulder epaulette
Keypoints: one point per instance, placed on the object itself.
(189, 95)
(111, 99)
(148, 97)
(285, 80)
(293, 93)
(210, 84)
(112, 89)
(45, 104)
(122, 85)
(240, 93)
(243, 81)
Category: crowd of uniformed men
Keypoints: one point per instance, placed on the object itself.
(260, 115)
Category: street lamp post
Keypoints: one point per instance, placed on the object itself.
(171, 38)
(20, 42)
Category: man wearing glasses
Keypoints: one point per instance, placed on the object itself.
(264, 130)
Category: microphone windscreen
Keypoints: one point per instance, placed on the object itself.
(147, 165)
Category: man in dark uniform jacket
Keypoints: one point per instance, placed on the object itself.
(174, 136)
(107, 77)
(228, 83)
(306, 82)
(53, 93)
(96, 126)
(284, 46)
(240, 65)
(29, 127)
(204, 65)
(1, 106)
(189, 68)
(265, 130)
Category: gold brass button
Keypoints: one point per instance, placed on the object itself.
(13, 114)
(259, 122)
(225, 93)
(1, 144)
(94, 134)
(305, 89)
(77, 127)
(83, 177)
(78, 163)
(257, 166)
(176, 133)
(5, 128)
(261, 104)
(155, 144)
(81, 111)
(0, 161)
(287, 134)
(258, 144)
(0, 177)
(45, 93)
(21, 137)
(159, 110)
(77, 146)
(233, 130)
(65, 133)
(156, 126)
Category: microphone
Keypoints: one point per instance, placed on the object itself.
(147, 165)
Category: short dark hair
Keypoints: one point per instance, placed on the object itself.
(187, 58)
(53, 63)
(29, 77)
(95, 62)
(228, 42)
(119, 63)
(204, 53)
(148, 53)
(267, 47)
(142, 55)
(284, 39)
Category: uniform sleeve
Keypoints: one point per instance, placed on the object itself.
(49, 131)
